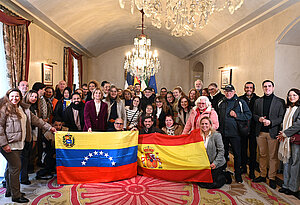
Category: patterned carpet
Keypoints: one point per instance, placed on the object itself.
(144, 190)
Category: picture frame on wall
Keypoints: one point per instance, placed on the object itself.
(47, 74)
(226, 77)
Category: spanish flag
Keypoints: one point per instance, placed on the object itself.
(174, 158)
(83, 157)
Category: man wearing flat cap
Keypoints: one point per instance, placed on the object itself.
(232, 109)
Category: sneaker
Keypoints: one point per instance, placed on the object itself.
(259, 179)
(272, 184)
(238, 178)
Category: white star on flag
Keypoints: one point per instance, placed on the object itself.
(90, 154)
(83, 163)
(86, 158)
(110, 158)
(106, 155)
(113, 163)
(95, 153)
(101, 153)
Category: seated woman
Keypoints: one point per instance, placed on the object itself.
(203, 108)
(172, 128)
(133, 112)
(215, 152)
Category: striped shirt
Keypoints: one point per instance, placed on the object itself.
(132, 117)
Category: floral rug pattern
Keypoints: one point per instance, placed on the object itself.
(148, 191)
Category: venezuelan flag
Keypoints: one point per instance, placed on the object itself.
(174, 158)
(83, 157)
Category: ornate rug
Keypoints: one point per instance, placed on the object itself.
(144, 190)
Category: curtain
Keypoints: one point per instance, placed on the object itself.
(17, 47)
(69, 66)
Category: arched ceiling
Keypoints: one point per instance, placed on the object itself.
(96, 26)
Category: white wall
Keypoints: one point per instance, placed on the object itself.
(287, 68)
(109, 66)
(44, 46)
(252, 52)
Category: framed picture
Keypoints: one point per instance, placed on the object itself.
(47, 74)
(226, 77)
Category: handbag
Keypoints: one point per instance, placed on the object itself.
(295, 139)
(243, 127)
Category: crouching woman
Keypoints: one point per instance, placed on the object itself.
(15, 128)
(215, 152)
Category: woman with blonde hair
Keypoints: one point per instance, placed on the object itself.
(215, 151)
(15, 129)
(95, 113)
(203, 108)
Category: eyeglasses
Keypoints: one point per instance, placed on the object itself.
(118, 123)
(158, 101)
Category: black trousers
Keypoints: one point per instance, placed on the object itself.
(251, 139)
(235, 143)
(219, 179)
(25, 155)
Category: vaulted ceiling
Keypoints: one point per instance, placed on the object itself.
(95, 26)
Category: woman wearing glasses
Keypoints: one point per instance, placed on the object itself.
(203, 108)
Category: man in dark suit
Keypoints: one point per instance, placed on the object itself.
(73, 116)
(268, 114)
(249, 97)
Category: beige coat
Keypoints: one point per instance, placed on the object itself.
(10, 126)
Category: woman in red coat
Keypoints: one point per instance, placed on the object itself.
(95, 113)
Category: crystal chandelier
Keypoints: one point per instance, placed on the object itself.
(141, 61)
(182, 17)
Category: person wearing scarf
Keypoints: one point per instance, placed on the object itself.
(203, 108)
(116, 108)
(289, 153)
(171, 128)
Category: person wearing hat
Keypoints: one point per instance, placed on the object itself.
(231, 109)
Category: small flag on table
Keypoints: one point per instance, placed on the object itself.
(174, 158)
(83, 157)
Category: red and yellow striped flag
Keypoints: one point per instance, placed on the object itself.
(174, 158)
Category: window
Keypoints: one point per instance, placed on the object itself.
(76, 74)
(4, 84)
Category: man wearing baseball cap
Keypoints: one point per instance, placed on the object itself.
(231, 109)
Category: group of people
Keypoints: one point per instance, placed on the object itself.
(28, 118)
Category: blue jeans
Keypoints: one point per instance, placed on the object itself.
(291, 170)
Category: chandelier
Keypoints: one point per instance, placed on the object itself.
(141, 61)
(182, 17)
